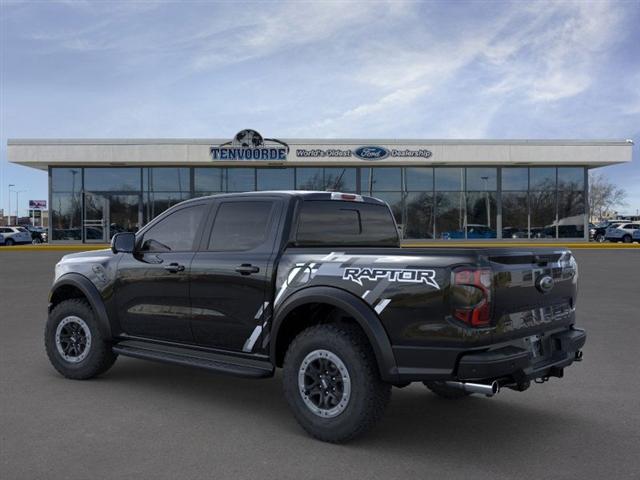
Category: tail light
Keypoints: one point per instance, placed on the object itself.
(471, 295)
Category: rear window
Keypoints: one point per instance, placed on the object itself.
(355, 224)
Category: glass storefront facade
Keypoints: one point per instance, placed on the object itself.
(444, 203)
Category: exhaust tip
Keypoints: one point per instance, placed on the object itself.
(495, 388)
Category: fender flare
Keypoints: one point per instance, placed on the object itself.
(92, 295)
(354, 307)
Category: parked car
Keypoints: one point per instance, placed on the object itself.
(599, 232)
(315, 283)
(15, 235)
(514, 232)
(473, 231)
(622, 232)
(38, 234)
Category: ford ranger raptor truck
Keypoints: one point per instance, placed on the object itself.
(315, 283)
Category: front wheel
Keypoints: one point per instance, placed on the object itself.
(36, 241)
(332, 384)
(75, 345)
(599, 238)
(626, 239)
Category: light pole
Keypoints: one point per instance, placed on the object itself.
(9, 212)
(18, 192)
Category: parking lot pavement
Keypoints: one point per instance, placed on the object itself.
(149, 420)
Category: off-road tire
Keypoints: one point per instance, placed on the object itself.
(368, 397)
(444, 391)
(100, 356)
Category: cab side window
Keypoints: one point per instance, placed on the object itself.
(176, 232)
(240, 226)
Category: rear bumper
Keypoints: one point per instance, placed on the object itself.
(526, 359)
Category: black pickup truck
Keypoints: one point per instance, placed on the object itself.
(315, 283)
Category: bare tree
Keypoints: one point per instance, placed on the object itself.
(604, 196)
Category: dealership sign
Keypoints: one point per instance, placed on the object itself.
(37, 204)
(250, 145)
(365, 152)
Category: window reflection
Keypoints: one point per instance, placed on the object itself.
(515, 213)
(570, 178)
(543, 214)
(542, 178)
(66, 216)
(481, 215)
(340, 179)
(418, 179)
(275, 178)
(167, 179)
(419, 215)
(66, 179)
(571, 214)
(309, 179)
(449, 208)
(449, 179)
(209, 180)
(112, 179)
(482, 179)
(515, 179)
(241, 179)
(381, 179)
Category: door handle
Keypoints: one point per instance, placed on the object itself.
(247, 269)
(174, 268)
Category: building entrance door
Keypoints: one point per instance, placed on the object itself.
(95, 218)
(107, 214)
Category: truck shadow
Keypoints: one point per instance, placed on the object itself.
(414, 420)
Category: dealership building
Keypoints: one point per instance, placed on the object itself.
(437, 189)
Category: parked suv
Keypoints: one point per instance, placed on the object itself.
(315, 283)
(38, 234)
(599, 231)
(15, 235)
(623, 232)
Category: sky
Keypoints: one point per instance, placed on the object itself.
(387, 69)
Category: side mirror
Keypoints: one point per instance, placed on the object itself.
(124, 242)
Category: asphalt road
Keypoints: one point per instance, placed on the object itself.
(148, 420)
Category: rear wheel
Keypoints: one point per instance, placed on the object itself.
(443, 391)
(75, 346)
(9, 242)
(332, 384)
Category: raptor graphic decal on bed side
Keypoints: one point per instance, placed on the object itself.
(356, 274)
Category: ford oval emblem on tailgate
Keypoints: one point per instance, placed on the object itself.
(544, 283)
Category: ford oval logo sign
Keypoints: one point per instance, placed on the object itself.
(371, 153)
(545, 283)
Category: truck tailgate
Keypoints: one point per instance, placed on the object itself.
(533, 291)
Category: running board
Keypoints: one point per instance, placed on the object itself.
(238, 366)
